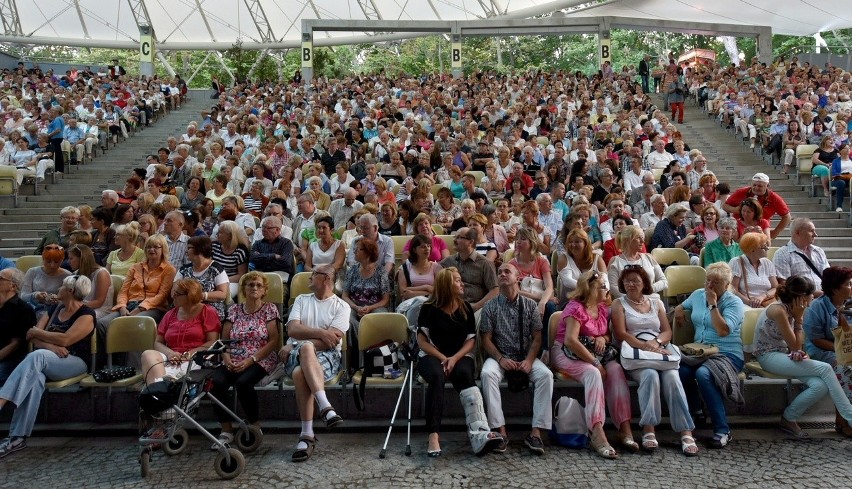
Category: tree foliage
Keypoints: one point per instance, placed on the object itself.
(431, 54)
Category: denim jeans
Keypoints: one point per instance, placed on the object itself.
(656, 385)
(818, 376)
(697, 379)
(25, 386)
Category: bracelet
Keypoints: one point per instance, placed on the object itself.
(205, 296)
(253, 358)
(596, 363)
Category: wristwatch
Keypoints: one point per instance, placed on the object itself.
(253, 358)
(711, 307)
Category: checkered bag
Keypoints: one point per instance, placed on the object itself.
(380, 360)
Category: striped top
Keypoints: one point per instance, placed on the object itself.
(229, 263)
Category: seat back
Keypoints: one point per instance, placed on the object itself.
(179, 192)
(26, 262)
(477, 175)
(9, 182)
(682, 331)
(117, 282)
(670, 256)
(299, 285)
(275, 290)
(684, 279)
(436, 188)
(380, 326)
(508, 255)
(750, 320)
(131, 333)
(804, 161)
(771, 252)
(398, 244)
(701, 258)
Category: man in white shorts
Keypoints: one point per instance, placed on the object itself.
(316, 325)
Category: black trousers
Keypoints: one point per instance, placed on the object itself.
(58, 157)
(432, 371)
(243, 383)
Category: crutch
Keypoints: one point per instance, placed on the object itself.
(407, 379)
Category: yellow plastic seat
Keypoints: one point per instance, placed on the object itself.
(299, 285)
(9, 183)
(683, 279)
(117, 282)
(375, 328)
(670, 256)
(126, 334)
(477, 175)
(749, 329)
(26, 262)
(398, 244)
(437, 229)
(771, 252)
(804, 161)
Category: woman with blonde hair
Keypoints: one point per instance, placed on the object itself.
(119, 261)
(170, 203)
(147, 227)
(446, 334)
(534, 271)
(582, 348)
(577, 258)
(231, 252)
(530, 221)
(484, 247)
(631, 242)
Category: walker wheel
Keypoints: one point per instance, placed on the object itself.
(249, 440)
(177, 444)
(145, 462)
(230, 470)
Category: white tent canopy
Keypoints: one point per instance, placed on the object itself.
(218, 24)
(789, 17)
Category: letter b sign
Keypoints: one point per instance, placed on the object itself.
(307, 55)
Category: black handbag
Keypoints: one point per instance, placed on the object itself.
(113, 374)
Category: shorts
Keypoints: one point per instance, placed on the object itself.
(176, 372)
(820, 171)
(329, 360)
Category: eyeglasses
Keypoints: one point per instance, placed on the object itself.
(633, 267)
(313, 274)
(179, 294)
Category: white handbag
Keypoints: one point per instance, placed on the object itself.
(636, 358)
(533, 285)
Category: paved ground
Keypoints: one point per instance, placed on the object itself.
(755, 459)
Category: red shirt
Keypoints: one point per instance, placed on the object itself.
(528, 181)
(184, 335)
(771, 202)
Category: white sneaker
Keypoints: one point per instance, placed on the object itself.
(839, 210)
(224, 437)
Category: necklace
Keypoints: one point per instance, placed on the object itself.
(638, 303)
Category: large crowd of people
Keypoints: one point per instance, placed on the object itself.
(520, 196)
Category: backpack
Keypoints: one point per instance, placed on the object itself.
(569, 424)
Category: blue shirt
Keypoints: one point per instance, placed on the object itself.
(6, 263)
(732, 310)
(820, 319)
(56, 123)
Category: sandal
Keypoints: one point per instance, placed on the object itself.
(649, 442)
(688, 446)
(331, 421)
(604, 449)
(629, 444)
(302, 454)
(792, 428)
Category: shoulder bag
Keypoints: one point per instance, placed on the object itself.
(636, 358)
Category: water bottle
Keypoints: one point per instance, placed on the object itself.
(192, 390)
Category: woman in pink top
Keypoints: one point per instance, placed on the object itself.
(422, 225)
(417, 274)
(582, 349)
